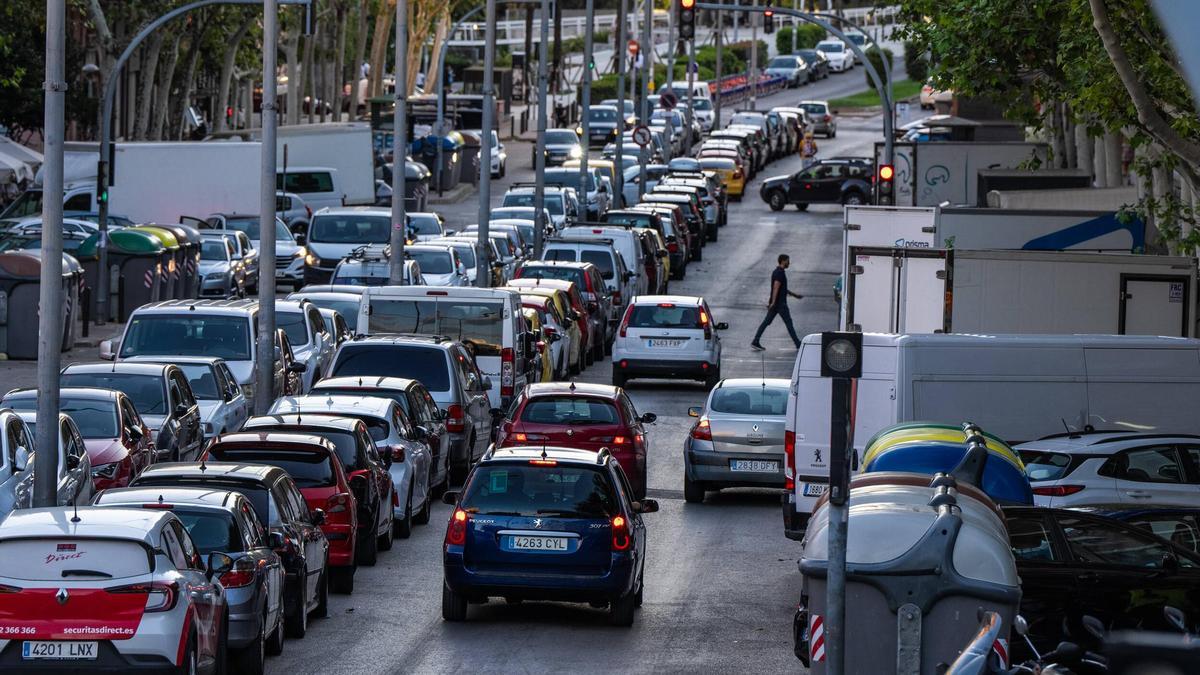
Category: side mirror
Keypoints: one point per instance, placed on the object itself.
(296, 367)
(1094, 627)
(695, 411)
(554, 338)
(275, 540)
(181, 410)
(422, 431)
(317, 516)
(648, 418)
(450, 497)
(72, 462)
(593, 306)
(21, 461)
(1174, 616)
(135, 434)
(218, 564)
(1020, 625)
(628, 275)
(646, 506)
(108, 350)
(722, 326)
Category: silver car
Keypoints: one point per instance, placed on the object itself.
(738, 439)
(16, 448)
(74, 467)
(224, 521)
(222, 273)
(385, 420)
(311, 343)
(245, 252)
(343, 301)
(223, 405)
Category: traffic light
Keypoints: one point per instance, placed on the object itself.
(687, 19)
(885, 185)
(769, 19)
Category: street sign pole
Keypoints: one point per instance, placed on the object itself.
(754, 59)
(691, 80)
(400, 150)
(585, 84)
(539, 195)
(264, 358)
(619, 54)
(483, 278)
(720, 28)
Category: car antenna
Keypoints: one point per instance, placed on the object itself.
(75, 504)
(572, 385)
(543, 450)
(1072, 434)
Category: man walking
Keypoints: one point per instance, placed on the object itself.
(777, 305)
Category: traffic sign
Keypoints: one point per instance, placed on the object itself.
(633, 47)
(641, 135)
(668, 100)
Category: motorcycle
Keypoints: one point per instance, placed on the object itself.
(981, 656)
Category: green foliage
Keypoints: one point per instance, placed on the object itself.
(869, 98)
(576, 44)
(604, 87)
(915, 62)
(807, 37)
(876, 60)
(706, 58)
(742, 50)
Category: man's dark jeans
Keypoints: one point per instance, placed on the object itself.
(780, 309)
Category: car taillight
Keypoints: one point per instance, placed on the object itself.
(704, 323)
(455, 420)
(549, 330)
(1057, 490)
(620, 533)
(521, 437)
(615, 440)
(789, 451)
(737, 174)
(506, 371)
(828, 117)
(673, 247)
(616, 296)
(456, 529)
(337, 503)
(241, 574)
(702, 431)
(625, 319)
(160, 596)
(398, 451)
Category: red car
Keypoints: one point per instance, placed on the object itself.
(119, 445)
(313, 463)
(583, 416)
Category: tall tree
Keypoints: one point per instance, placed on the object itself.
(228, 60)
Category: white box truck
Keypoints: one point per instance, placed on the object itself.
(1019, 387)
(942, 172)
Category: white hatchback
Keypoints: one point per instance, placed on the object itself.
(668, 336)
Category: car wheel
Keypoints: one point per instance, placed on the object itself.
(776, 200)
(699, 254)
(275, 639)
(322, 609)
(454, 606)
(188, 666)
(342, 579)
(802, 207)
(502, 169)
(252, 659)
(693, 491)
(833, 134)
(388, 538)
(297, 622)
(712, 380)
(366, 549)
(404, 526)
(853, 199)
(620, 611)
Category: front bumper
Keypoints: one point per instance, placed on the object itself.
(536, 584)
(218, 287)
(713, 468)
(692, 370)
(293, 272)
(317, 275)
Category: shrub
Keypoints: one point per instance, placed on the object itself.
(876, 60)
(915, 62)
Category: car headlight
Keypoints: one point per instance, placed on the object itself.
(301, 253)
(576, 152)
(312, 260)
(108, 471)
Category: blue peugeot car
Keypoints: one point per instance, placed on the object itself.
(546, 523)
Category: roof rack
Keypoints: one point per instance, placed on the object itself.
(371, 253)
(603, 455)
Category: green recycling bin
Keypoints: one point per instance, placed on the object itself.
(137, 263)
(20, 277)
(172, 259)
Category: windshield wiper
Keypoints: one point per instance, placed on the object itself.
(85, 573)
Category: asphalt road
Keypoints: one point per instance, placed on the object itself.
(721, 581)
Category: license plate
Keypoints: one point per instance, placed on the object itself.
(815, 489)
(58, 650)
(523, 543)
(669, 343)
(753, 465)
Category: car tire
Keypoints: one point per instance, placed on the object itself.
(699, 254)
(454, 606)
(252, 659)
(833, 134)
(776, 200)
(803, 206)
(503, 169)
(297, 623)
(342, 579)
(366, 549)
(275, 639)
(693, 491)
(322, 609)
(853, 198)
(620, 610)
(388, 538)
(712, 379)
(404, 526)
(189, 665)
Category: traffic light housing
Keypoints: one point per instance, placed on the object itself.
(687, 19)
(885, 185)
(769, 19)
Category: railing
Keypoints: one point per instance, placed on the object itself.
(736, 88)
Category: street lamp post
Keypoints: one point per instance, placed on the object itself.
(399, 234)
(264, 357)
(619, 51)
(585, 84)
(483, 277)
(539, 194)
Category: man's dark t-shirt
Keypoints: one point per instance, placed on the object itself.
(779, 276)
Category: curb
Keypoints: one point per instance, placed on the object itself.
(452, 196)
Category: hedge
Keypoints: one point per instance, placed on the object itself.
(876, 60)
(807, 37)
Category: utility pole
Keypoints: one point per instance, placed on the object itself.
(753, 58)
(483, 278)
(691, 81)
(539, 195)
(720, 47)
(50, 299)
(264, 358)
(620, 50)
(585, 83)
(644, 52)
(400, 149)
(795, 25)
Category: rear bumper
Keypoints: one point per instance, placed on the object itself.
(245, 614)
(341, 543)
(108, 660)
(714, 469)
(794, 523)
(692, 370)
(529, 585)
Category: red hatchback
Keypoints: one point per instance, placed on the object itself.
(313, 463)
(583, 416)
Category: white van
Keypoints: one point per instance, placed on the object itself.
(487, 320)
(1018, 387)
(626, 243)
(700, 89)
(318, 186)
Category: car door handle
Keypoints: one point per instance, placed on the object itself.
(1139, 494)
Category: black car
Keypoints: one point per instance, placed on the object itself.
(1179, 525)
(603, 125)
(818, 64)
(295, 531)
(827, 181)
(1073, 563)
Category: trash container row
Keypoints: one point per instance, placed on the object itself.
(20, 295)
(146, 264)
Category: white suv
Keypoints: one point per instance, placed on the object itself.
(668, 336)
(839, 55)
(1113, 468)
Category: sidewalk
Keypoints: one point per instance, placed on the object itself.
(23, 373)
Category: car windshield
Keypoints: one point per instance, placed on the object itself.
(570, 178)
(476, 323)
(750, 400)
(752, 120)
(809, 55)
(513, 212)
(148, 392)
(813, 108)
(602, 115)
(211, 530)
(665, 315)
(250, 225)
(350, 228)
(561, 137)
(1041, 465)
(424, 364)
(432, 262)
(832, 47)
(782, 62)
(307, 469)
(180, 335)
(525, 490)
(96, 418)
(701, 104)
(569, 410)
(716, 163)
(294, 326)
(553, 202)
(214, 249)
(466, 253)
(601, 259)
(425, 224)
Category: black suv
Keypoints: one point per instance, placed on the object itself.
(828, 181)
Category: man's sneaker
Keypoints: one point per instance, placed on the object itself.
(757, 347)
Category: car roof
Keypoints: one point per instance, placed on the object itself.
(573, 455)
(173, 360)
(326, 295)
(89, 521)
(239, 471)
(375, 406)
(366, 382)
(74, 392)
(346, 289)
(129, 367)
(581, 388)
(754, 382)
(353, 210)
(674, 299)
(1101, 442)
(150, 494)
(400, 339)
(227, 307)
(308, 421)
(274, 438)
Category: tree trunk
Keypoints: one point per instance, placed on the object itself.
(1098, 160)
(1054, 131)
(339, 65)
(379, 45)
(189, 80)
(1112, 159)
(1069, 138)
(291, 51)
(1083, 148)
(360, 55)
(1161, 191)
(227, 62)
(146, 75)
(162, 99)
(307, 81)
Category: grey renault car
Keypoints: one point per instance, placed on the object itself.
(737, 440)
(223, 405)
(224, 521)
(222, 271)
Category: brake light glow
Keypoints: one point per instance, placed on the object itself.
(625, 319)
(544, 462)
(456, 529)
(666, 305)
(702, 431)
(616, 296)
(1057, 490)
(705, 325)
(337, 503)
(506, 371)
(673, 247)
(789, 451)
(160, 596)
(158, 505)
(242, 574)
(828, 117)
(436, 293)
(620, 534)
(455, 420)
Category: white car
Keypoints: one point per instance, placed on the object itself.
(499, 157)
(440, 264)
(839, 55)
(1113, 468)
(105, 588)
(668, 336)
(223, 404)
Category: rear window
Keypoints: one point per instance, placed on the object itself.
(432, 262)
(665, 315)
(561, 273)
(427, 365)
(307, 469)
(148, 392)
(182, 335)
(53, 559)
(602, 260)
(424, 224)
(1041, 465)
(560, 255)
(477, 323)
(527, 490)
(569, 410)
(396, 396)
(211, 530)
(95, 418)
(305, 182)
(750, 400)
(635, 219)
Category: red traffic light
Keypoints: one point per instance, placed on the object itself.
(887, 172)
(769, 13)
(687, 4)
